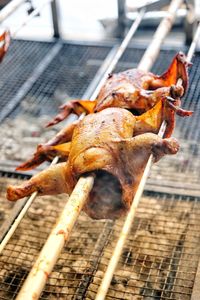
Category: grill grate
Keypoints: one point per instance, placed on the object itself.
(161, 256)
(67, 76)
(19, 63)
(159, 260)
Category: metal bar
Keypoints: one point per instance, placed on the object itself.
(100, 73)
(120, 51)
(102, 291)
(194, 44)
(30, 81)
(30, 17)
(121, 26)
(158, 38)
(9, 9)
(55, 18)
(47, 258)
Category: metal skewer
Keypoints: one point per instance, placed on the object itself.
(102, 291)
(30, 17)
(10, 8)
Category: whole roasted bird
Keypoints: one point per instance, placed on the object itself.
(133, 89)
(111, 144)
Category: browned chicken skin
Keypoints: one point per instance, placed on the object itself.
(103, 144)
(133, 89)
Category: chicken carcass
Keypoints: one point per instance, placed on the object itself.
(133, 89)
(103, 144)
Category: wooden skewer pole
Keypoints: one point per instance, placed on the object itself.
(38, 276)
(60, 234)
(101, 294)
(153, 49)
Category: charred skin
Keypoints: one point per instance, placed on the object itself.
(133, 89)
(101, 142)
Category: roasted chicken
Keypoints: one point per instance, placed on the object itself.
(133, 89)
(102, 144)
(149, 121)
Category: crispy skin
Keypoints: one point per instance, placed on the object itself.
(132, 89)
(101, 142)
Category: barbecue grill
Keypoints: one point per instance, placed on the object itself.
(161, 255)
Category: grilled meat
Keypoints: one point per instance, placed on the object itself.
(133, 89)
(103, 144)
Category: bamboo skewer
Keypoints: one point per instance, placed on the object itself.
(30, 17)
(163, 29)
(56, 240)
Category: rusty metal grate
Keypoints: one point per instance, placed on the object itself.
(159, 260)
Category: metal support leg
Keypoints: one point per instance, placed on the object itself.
(190, 23)
(54, 11)
(121, 26)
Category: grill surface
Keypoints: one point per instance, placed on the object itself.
(161, 256)
(67, 75)
(159, 260)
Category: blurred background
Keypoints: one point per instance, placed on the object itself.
(100, 19)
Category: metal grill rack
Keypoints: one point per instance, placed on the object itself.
(161, 256)
(79, 63)
(159, 261)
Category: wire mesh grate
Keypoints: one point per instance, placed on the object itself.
(159, 260)
(67, 76)
(161, 255)
(22, 58)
